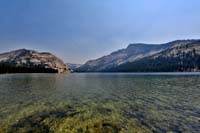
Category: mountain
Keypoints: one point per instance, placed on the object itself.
(139, 57)
(30, 61)
(180, 58)
(73, 66)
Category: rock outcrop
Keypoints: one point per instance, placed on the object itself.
(25, 61)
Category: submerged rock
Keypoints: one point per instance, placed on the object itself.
(41, 122)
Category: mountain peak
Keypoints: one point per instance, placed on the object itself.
(138, 45)
(21, 50)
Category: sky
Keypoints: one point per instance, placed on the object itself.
(80, 30)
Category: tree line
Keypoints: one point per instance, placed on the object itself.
(12, 68)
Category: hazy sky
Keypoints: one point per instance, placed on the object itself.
(78, 30)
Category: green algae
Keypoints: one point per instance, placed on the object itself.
(90, 118)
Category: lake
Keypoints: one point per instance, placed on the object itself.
(100, 102)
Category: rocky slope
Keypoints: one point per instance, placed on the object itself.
(133, 53)
(23, 61)
(184, 57)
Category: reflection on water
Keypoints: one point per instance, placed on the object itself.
(100, 103)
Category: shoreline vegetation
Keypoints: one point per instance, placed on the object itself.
(7, 68)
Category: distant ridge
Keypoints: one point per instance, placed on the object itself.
(73, 66)
(179, 55)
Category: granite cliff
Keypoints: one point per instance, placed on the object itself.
(30, 61)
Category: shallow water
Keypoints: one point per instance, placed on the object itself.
(100, 102)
